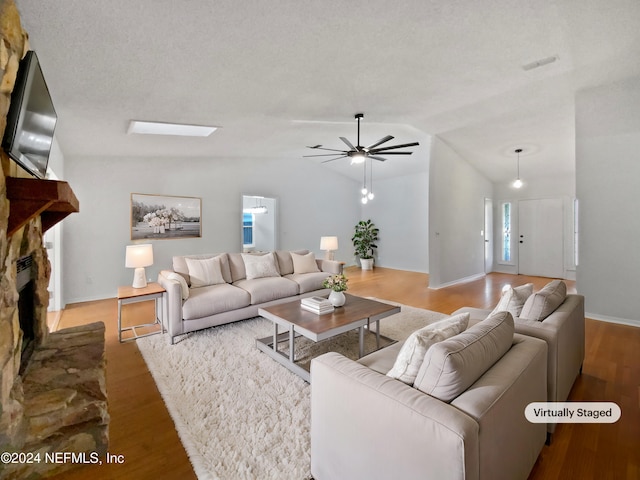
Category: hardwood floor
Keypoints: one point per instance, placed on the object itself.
(142, 431)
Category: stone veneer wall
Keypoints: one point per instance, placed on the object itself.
(59, 404)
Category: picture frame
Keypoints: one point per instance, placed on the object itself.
(165, 217)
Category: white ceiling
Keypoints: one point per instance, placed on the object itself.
(280, 75)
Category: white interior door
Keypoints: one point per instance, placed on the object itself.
(488, 235)
(541, 237)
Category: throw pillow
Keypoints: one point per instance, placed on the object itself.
(543, 303)
(453, 365)
(204, 272)
(184, 288)
(513, 299)
(259, 266)
(413, 350)
(304, 263)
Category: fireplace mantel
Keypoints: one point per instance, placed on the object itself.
(53, 200)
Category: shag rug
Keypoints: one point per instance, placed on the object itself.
(239, 413)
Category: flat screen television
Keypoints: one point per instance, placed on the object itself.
(31, 119)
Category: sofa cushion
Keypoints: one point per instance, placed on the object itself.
(543, 303)
(308, 282)
(268, 288)
(180, 265)
(413, 350)
(285, 262)
(214, 299)
(176, 277)
(453, 365)
(304, 263)
(260, 266)
(513, 299)
(204, 271)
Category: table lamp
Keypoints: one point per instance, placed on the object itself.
(329, 244)
(138, 257)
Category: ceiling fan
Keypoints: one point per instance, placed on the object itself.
(358, 153)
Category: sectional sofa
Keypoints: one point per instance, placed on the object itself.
(449, 403)
(208, 290)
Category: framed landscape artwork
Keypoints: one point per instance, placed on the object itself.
(165, 217)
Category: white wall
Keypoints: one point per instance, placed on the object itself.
(456, 217)
(607, 184)
(312, 201)
(400, 210)
(558, 186)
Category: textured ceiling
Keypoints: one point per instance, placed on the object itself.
(279, 75)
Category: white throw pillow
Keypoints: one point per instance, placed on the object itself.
(304, 263)
(204, 272)
(414, 349)
(513, 299)
(543, 303)
(184, 288)
(259, 266)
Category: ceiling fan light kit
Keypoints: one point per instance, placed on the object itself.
(359, 154)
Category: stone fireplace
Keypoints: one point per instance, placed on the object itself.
(52, 385)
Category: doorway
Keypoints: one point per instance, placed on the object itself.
(259, 224)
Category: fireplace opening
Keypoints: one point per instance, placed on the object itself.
(26, 307)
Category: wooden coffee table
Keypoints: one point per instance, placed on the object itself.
(357, 312)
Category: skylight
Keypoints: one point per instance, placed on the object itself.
(162, 128)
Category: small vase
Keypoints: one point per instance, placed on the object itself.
(337, 299)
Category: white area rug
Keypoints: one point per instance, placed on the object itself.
(240, 414)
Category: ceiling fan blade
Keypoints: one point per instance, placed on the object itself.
(328, 149)
(392, 153)
(393, 147)
(380, 142)
(377, 158)
(324, 154)
(348, 143)
(332, 159)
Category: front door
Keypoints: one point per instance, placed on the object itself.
(541, 237)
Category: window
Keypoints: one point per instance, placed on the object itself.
(506, 232)
(247, 229)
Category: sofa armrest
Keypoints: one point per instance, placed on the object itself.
(173, 307)
(367, 425)
(563, 331)
(330, 266)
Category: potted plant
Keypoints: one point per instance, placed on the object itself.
(364, 238)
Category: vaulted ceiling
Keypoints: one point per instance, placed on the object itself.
(280, 75)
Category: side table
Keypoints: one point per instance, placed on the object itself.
(128, 294)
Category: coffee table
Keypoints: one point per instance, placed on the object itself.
(357, 312)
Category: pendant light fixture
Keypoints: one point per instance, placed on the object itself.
(518, 183)
(367, 193)
(364, 190)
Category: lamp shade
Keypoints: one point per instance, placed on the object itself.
(328, 243)
(139, 255)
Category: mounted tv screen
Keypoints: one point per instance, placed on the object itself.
(31, 120)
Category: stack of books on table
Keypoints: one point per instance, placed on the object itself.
(317, 305)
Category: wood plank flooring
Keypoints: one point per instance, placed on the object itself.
(142, 430)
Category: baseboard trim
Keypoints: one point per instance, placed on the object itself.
(461, 280)
(620, 321)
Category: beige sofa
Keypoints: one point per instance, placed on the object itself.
(208, 290)
(563, 330)
(463, 418)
